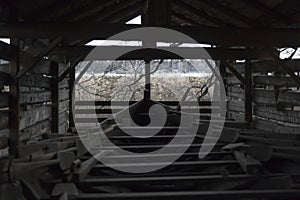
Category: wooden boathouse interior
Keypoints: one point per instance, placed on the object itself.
(254, 42)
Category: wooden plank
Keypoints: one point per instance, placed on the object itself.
(35, 130)
(235, 91)
(275, 127)
(288, 98)
(39, 57)
(220, 36)
(35, 97)
(63, 94)
(273, 113)
(235, 115)
(193, 195)
(3, 120)
(4, 99)
(35, 80)
(63, 105)
(4, 80)
(34, 115)
(237, 106)
(274, 81)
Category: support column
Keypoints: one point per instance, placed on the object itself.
(72, 99)
(157, 13)
(14, 104)
(248, 91)
(54, 98)
(147, 92)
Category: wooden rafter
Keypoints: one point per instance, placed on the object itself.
(231, 13)
(199, 13)
(109, 11)
(124, 13)
(272, 12)
(50, 10)
(40, 56)
(185, 19)
(77, 11)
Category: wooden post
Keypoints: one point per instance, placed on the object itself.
(157, 13)
(54, 98)
(147, 92)
(14, 104)
(248, 91)
(72, 98)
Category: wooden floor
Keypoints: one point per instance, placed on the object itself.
(253, 164)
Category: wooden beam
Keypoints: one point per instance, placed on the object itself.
(195, 11)
(235, 72)
(231, 13)
(40, 56)
(218, 36)
(54, 98)
(82, 10)
(140, 53)
(14, 104)
(190, 21)
(49, 10)
(157, 13)
(111, 10)
(248, 91)
(72, 95)
(272, 12)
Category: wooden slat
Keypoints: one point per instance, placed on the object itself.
(274, 81)
(35, 130)
(4, 99)
(35, 97)
(237, 106)
(4, 79)
(3, 120)
(35, 80)
(34, 115)
(273, 113)
(275, 127)
(237, 116)
(124, 103)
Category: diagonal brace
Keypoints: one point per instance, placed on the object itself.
(235, 72)
(67, 71)
(39, 57)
